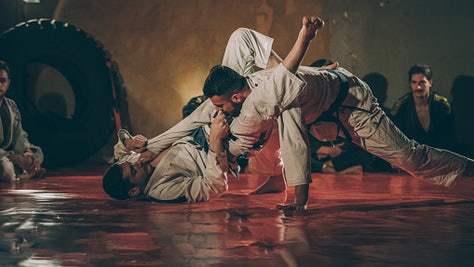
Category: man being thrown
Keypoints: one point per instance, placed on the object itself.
(183, 172)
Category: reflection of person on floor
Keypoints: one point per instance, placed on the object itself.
(348, 98)
(183, 172)
(424, 115)
(19, 159)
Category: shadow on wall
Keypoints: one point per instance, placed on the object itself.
(462, 92)
(379, 85)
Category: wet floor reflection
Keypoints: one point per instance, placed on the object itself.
(373, 220)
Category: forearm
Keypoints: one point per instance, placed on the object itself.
(301, 196)
(308, 31)
(200, 116)
(294, 58)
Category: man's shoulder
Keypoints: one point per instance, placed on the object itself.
(400, 102)
(439, 98)
(9, 100)
(11, 103)
(442, 100)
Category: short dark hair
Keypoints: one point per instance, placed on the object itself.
(223, 80)
(114, 184)
(420, 69)
(321, 63)
(192, 104)
(4, 66)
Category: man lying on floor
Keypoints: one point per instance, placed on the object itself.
(187, 171)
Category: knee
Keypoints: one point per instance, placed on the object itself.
(240, 34)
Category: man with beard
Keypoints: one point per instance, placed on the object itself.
(423, 114)
(19, 159)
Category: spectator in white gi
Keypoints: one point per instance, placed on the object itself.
(184, 172)
(19, 159)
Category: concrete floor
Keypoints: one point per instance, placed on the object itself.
(376, 219)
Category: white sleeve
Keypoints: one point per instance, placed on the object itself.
(202, 115)
(275, 94)
(121, 152)
(294, 147)
(214, 182)
(194, 174)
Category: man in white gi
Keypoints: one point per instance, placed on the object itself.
(184, 172)
(19, 159)
(263, 96)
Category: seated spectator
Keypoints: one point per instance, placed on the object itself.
(424, 115)
(19, 159)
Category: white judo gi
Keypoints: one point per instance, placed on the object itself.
(316, 89)
(295, 100)
(186, 171)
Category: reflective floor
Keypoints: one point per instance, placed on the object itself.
(369, 220)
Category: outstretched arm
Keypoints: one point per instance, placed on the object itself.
(290, 121)
(308, 31)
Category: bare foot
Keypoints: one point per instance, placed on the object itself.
(273, 184)
(354, 170)
(328, 168)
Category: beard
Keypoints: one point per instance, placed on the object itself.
(236, 107)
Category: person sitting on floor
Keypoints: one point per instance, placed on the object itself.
(19, 159)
